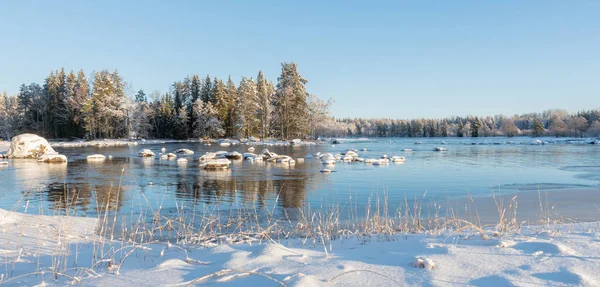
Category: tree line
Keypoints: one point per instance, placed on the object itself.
(68, 106)
(556, 122)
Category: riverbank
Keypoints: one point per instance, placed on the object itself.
(59, 250)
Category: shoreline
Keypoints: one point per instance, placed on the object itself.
(537, 255)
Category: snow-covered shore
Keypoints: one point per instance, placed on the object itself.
(34, 251)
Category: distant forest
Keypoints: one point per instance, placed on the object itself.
(68, 106)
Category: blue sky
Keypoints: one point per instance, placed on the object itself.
(398, 59)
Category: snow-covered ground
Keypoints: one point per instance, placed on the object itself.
(59, 250)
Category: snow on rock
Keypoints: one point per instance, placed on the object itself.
(184, 151)
(145, 153)
(251, 149)
(439, 148)
(29, 146)
(214, 164)
(233, 155)
(96, 157)
(424, 263)
(208, 155)
(3, 163)
(398, 159)
(171, 155)
(328, 159)
(52, 158)
(182, 161)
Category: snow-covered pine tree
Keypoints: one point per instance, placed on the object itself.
(264, 94)
(290, 103)
(220, 100)
(248, 105)
(231, 127)
(195, 87)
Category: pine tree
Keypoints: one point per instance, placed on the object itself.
(232, 100)
(180, 124)
(475, 126)
(140, 97)
(82, 93)
(195, 87)
(220, 100)
(459, 131)
(291, 110)
(206, 91)
(538, 128)
(247, 106)
(264, 93)
(444, 129)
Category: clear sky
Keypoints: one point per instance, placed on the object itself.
(399, 59)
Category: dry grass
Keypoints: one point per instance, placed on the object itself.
(121, 236)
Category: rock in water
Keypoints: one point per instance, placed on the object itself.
(146, 153)
(96, 157)
(184, 151)
(29, 146)
(52, 158)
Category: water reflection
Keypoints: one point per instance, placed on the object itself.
(464, 169)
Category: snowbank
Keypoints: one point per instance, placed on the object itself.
(37, 246)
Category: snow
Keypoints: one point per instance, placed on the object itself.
(96, 157)
(145, 153)
(560, 255)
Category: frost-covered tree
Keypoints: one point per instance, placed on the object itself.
(509, 128)
(195, 89)
(265, 92)
(318, 114)
(105, 113)
(558, 127)
(142, 113)
(206, 123)
(220, 99)
(247, 108)
(577, 126)
(9, 115)
(594, 129)
(231, 121)
(290, 117)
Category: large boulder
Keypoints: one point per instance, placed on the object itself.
(29, 146)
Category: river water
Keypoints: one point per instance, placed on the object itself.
(473, 167)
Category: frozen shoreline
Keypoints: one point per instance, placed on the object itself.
(557, 255)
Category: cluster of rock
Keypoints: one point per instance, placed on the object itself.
(222, 159)
(351, 155)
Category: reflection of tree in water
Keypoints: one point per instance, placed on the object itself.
(68, 197)
(220, 186)
(82, 197)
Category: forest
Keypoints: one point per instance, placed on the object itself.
(69, 106)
